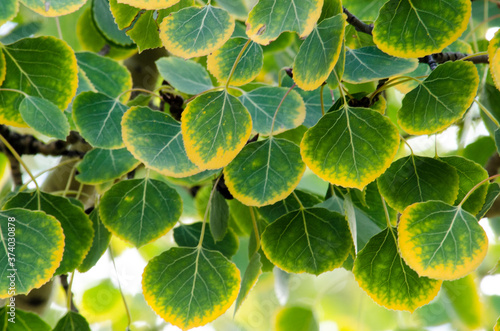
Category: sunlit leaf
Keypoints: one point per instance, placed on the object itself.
(417, 179)
(312, 240)
(464, 298)
(100, 242)
(149, 4)
(43, 116)
(293, 202)
(53, 7)
(250, 277)
(185, 75)
(269, 18)
(101, 165)
(189, 287)
(98, 119)
(189, 236)
(469, 174)
(76, 226)
(319, 53)
(123, 14)
(370, 63)
(105, 23)
(194, 31)
(102, 302)
(296, 318)
(330, 9)
(387, 279)
(494, 58)
(8, 10)
(350, 147)
(265, 172)
(140, 210)
(262, 104)
(145, 33)
(72, 322)
(407, 28)
(155, 139)
(38, 249)
(437, 102)
(441, 241)
(23, 320)
(106, 75)
(215, 127)
(221, 61)
(43, 67)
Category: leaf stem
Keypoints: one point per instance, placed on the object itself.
(70, 178)
(388, 218)
(407, 144)
(255, 228)
(488, 113)
(129, 318)
(238, 58)
(279, 106)
(137, 90)
(321, 100)
(476, 187)
(69, 295)
(13, 90)
(204, 92)
(203, 227)
(298, 200)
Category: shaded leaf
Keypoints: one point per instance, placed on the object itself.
(100, 242)
(72, 322)
(250, 277)
(24, 320)
(53, 7)
(185, 75)
(105, 23)
(272, 212)
(494, 58)
(491, 196)
(464, 298)
(43, 116)
(145, 33)
(219, 216)
(8, 10)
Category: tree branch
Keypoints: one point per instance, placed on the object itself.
(357, 23)
(445, 57)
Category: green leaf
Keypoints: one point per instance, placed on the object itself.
(53, 7)
(387, 279)
(124, 15)
(185, 75)
(43, 116)
(98, 119)
(366, 10)
(350, 147)
(437, 102)
(72, 322)
(106, 75)
(441, 241)
(356, 39)
(407, 28)
(337, 73)
(250, 277)
(43, 67)
(8, 10)
(105, 23)
(155, 139)
(237, 8)
(221, 61)
(193, 31)
(464, 298)
(189, 287)
(219, 216)
(23, 320)
(369, 63)
(319, 53)
(76, 226)
(262, 104)
(293, 202)
(265, 172)
(102, 165)
(330, 9)
(494, 58)
(131, 210)
(150, 4)
(469, 174)
(215, 127)
(491, 196)
(38, 249)
(189, 236)
(100, 242)
(145, 32)
(21, 31)
(269, 18)
(296, 318)
(417, 179)
(312, 240)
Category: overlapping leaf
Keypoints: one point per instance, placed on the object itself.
(101, 165)
(337, 73)
(269, 18)
(437, 102)
(149, 4)
(38, 249)
(98, 119)
(215, 127)
(491, 196)
(72, 322)
(194, 31)
(53, 7)
(8, 10)
(441, 241)
(145, 32)
(463, 295)
(43, 116)
(407, 28)
(155, 139)
(370, 63)
(219, 216)
(76, 226)
(105, 23)
(350, 147)
(293, 202)
(319, 53)
(23, 320)
(417, 179)
(262, 104)
(264, 172)
(494, 58)
(140, 210)
(100, 242)
(190, 287)
(250, 277)
(43, 67)
(387, 279)
(185, 75)
(221, 61)
(312, 240)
